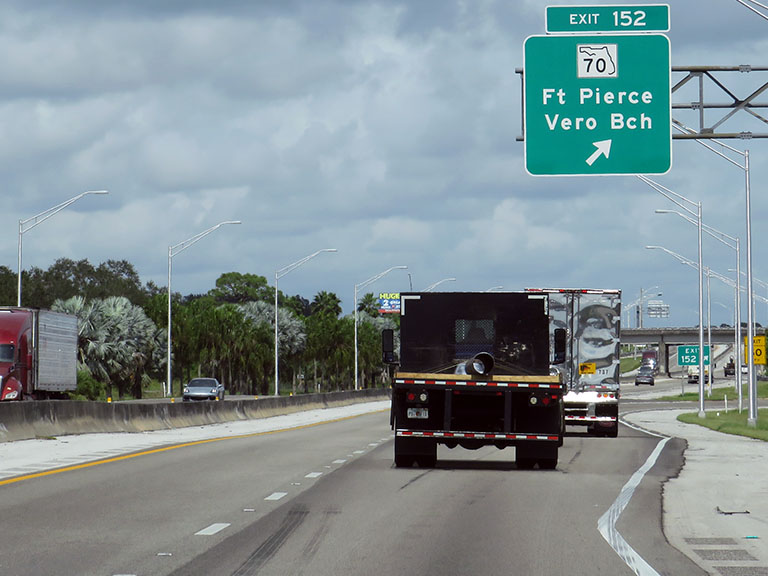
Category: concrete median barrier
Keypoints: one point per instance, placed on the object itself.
(41, 419)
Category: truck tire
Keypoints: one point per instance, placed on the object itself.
(525, 463)
(548, 463)
(529, 455)
(428, 459)
(402, 461)
(415, 450)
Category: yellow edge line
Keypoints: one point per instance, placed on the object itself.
(174, 447)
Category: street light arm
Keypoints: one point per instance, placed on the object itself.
(755, 10)
(669, 194)
(43, 216)
(757, 280)
(714, 232)
(283, 271)
(682, 259)
(172, 250)
(373, 279)
(436, 284)
(685, 129)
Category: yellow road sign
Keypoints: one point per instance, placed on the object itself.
(587, 368)
(758, 349)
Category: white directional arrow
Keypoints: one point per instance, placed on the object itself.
(603, 149)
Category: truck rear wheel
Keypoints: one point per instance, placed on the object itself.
(420, 450)
(528, 456)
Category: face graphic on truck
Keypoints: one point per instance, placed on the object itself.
(595, 337)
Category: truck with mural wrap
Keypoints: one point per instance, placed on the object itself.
(590, 321)
(38, 354)
(473, 372)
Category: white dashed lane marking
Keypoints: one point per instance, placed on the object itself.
(212, 529)
(276, 496)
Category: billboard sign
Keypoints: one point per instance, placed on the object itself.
(389, 303)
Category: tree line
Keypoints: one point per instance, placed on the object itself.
(226, 333)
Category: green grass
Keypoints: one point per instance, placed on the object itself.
(629, 363)
(731, 423)
(719, 394)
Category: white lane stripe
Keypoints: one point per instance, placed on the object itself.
(314, 475)
(340, 461)
(606, 525)
(276, 496)
(212, 529)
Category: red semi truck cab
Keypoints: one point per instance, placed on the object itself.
(38, 353)
(15, 353)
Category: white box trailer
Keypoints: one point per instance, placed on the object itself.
(590, 322)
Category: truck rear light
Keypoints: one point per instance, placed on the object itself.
(412, 396)
(542, 400)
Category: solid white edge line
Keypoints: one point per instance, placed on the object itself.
(606, 525)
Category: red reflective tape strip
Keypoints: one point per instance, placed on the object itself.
(473, 435)
(475, 384)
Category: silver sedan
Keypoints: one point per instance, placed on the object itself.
(203, 389)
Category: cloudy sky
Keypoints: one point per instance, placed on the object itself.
(386, 130)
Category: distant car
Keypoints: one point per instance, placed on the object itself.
(744, 369)
(729, 369)
(203, 389)
(645, 376)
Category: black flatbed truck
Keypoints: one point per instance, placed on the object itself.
(474, 371)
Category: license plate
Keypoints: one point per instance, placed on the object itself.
(418, 413)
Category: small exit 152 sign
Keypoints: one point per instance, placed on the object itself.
(590, 19)
(689, 355)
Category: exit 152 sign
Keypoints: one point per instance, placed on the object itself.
(689, 355)
(597, 105)
(591, 19)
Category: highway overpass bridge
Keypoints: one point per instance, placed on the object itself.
(665, 338)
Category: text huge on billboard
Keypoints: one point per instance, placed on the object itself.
(389, 303)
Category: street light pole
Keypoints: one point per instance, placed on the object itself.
(702, 413)
(279, 274)
(370, 280)
(173, 251)
(677, 199)
(39, 219)
(749, 348)
(720, 237)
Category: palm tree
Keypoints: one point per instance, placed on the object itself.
(116, 340)
(326, 303)
(369, 304)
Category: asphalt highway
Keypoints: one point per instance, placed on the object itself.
(322, 497)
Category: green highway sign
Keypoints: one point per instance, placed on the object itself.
(590, 19)
(597, 105)
(689, 355)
